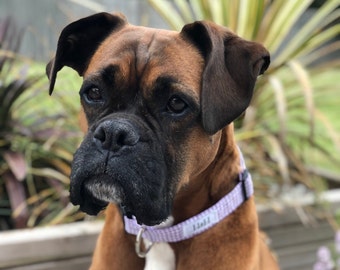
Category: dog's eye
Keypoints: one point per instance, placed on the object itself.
(94, 94)
(176, 105)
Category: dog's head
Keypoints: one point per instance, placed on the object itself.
(155, 101)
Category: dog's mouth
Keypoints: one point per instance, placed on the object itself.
(96, 193)
(137, 182)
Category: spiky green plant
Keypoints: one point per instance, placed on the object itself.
(290, 132)
(36, 141)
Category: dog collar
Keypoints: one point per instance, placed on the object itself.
(199, 223)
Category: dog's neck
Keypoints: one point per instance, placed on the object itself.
(207, 188)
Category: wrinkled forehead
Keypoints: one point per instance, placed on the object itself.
(141, 55)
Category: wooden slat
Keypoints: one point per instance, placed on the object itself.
(48, 244)
(297, 234)
(79, 263)
(296, 245)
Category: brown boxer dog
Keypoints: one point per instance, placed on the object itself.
(159, 107)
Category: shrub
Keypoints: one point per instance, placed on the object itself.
(37, 139)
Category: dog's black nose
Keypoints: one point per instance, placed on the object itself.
(115, 134)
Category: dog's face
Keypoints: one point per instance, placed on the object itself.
(155, 101)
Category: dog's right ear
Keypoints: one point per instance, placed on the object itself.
(232, 65)
(78, 42)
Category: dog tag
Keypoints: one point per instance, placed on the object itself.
(200, 224)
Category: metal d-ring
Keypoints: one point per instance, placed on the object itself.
(138, 244)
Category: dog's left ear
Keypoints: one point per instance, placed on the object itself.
(79, 40)
(232, 65)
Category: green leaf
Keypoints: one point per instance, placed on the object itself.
(316, 22)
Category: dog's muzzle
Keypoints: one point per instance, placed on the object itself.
(121, 161)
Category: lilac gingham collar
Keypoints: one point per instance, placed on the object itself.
(201, 222)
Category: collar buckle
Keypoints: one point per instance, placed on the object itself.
(138, 244)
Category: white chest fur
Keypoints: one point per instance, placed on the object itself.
(160, 257)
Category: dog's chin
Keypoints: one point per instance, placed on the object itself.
(92, 196)
(148, 217)
(96, 193)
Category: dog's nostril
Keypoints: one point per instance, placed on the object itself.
(128, 138)
(99, 134)
(123, 137)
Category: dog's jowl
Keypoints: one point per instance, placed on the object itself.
(159, 146)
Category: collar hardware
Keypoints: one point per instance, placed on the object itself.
(138, 244)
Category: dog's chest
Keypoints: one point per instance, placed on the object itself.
(160, 256)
